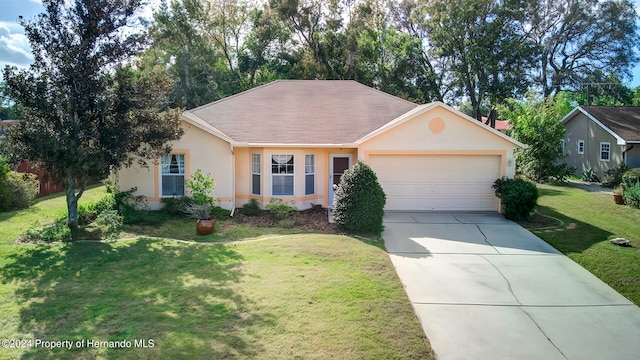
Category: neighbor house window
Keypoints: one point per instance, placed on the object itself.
(580, 146)
(309, 174)
(281, 175)
(605, 151)
(255, 174)
(172, 176)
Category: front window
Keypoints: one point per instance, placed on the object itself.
(309, 174)
(172, 176)
(255, 174)
(605, 151)
(282, 175)
(580, 146)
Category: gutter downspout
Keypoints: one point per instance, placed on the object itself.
(233, 180)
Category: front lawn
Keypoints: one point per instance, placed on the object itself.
(590, 220)
(285, 296)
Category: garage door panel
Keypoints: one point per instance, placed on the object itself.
(437, 182)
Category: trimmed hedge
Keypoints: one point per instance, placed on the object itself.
(519, 197)
(359, 200)
(17, 190)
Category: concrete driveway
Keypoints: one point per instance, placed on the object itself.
(485, 288)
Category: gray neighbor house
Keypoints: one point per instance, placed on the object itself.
(601, 137)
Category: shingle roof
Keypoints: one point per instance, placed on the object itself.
(622, 120)
(303, 112)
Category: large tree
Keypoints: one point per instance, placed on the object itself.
(483, 44)
(86, 110)
(578, 39)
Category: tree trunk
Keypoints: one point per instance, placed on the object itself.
(72, 205)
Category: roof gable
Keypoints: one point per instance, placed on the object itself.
(428, 107)
(290, 112)
(622, 122)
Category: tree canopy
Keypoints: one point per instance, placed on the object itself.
(86, 111)
(479, 51)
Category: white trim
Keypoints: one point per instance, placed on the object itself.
(202, 125)
(423, 109)
(608, 151)
(259, 173)
(580, 142)
(183, 174)
(571, 115)
(330, 180)
(313, 156)
(292, 175)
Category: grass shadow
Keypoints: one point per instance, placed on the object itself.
(180, 296)
(574, 236)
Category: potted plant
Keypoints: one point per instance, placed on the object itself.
(201, 187)
(617, 195)
(202, 212)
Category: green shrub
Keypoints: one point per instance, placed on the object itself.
(133, 216)
(359, 200)
(252, 208)
(88, 212)
(589, 175)
(219, 212)
(58, 231)
(280, 209)
(562, 172)
(631, 194)
(17, 190)
(519, 197)
(109, 222)
(631, 177)
(175, 206)
(613, 177)
(201, 186)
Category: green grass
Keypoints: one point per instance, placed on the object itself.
(290, 296)
(44, 211)
(590, 220)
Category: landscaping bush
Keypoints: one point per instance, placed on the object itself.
(88, 212)
(631, 194)
(201, 186)
(631, 177)
(219, 212)
(359, 200)
(519, 197)
(631, 187)
(613, 177)
(252, 208)
(562, 172)
(17, 190)
(58, 231)
(280, 209)
(589, 175)
(175, 206)
(110, 223)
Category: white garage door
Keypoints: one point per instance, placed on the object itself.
(437, 182)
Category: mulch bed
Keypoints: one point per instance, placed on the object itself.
(314, 219)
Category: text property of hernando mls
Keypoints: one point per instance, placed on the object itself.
(77, 344)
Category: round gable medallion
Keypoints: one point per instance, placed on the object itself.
(436, 125)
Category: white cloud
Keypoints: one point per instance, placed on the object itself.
(14, 48)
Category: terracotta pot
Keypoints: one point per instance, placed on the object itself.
(205, 226)
(617, 198)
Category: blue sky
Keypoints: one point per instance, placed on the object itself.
(14, 47)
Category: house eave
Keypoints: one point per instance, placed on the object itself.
(426, 107)
(202, 125)
(296, 145)
(571, 115)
